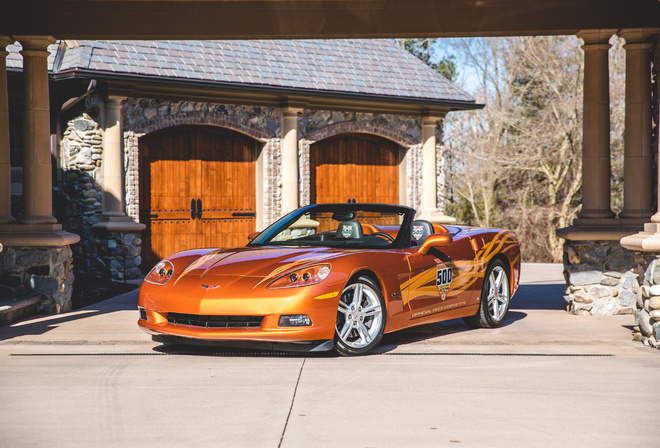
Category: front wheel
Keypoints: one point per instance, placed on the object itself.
(495, 297)
(361, 318)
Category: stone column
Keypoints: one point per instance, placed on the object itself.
(5, 165)
(596, 127)
(289, 145)
(430, 210)
(37, 174)
(638, 159)
(640, 135)
(112, 172)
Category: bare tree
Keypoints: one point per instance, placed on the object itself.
(518, 162)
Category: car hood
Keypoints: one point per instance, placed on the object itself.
(257, 262)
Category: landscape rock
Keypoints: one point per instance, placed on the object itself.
(604, 307)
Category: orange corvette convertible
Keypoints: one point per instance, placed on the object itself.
(332, 277)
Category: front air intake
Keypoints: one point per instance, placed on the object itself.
(212, 321)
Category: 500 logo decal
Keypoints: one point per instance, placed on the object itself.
(444, 276)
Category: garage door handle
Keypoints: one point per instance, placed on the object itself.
(252, 214)
(199, 209)
(193, 209)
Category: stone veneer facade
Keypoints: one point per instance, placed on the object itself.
(117, 255)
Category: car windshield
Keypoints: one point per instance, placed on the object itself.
(340, 225)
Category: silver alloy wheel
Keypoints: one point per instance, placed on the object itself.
(359, 316)
(498, 293)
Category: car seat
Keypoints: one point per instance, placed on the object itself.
(348, 230)
(421, 230)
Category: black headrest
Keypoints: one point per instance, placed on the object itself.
(420, 231)
(348, 230)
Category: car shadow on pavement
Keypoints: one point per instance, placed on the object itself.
(429, 331)
(42, 324)
(389, 342)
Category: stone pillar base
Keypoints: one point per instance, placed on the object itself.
(38, 271)
(36, 235)
(118, 224)
(602, 278)
(646, 241)
(603, 229)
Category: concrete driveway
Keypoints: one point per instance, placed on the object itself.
(549, 379)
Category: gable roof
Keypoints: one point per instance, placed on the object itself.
(377, 68)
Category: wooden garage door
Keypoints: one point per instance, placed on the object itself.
(354, 166)
(197, 189)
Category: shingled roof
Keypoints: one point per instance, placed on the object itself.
(370, 67)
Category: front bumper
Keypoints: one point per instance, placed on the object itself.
(159, 301)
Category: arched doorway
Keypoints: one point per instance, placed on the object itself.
(197, 189)
(362, 167)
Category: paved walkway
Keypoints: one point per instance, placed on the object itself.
(547, 378)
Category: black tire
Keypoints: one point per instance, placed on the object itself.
(495, 298)
(361, 317)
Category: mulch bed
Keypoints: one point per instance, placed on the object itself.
(87, 293)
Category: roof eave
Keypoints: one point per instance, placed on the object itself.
(146, 86)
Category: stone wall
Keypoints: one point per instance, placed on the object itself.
(98, 254)
(46, 272)
(601, 277)
(647, 304)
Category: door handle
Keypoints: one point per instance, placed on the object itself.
(199, 209)
(193, 209)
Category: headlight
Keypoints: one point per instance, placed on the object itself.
(303, 277)
(161, 273)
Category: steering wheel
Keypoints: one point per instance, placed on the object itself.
(384, 235)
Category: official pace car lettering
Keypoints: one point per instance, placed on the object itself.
(418, 232)
(346, 231)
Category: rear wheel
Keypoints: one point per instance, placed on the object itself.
(361, 318)
(495, 297)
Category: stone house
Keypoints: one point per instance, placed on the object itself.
(159, 146)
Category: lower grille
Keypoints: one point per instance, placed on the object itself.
(196, 320)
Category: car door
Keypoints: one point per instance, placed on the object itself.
(441, 280)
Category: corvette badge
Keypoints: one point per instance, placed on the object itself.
(210, 286)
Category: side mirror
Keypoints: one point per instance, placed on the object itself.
(253, 235)
(435, 240)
